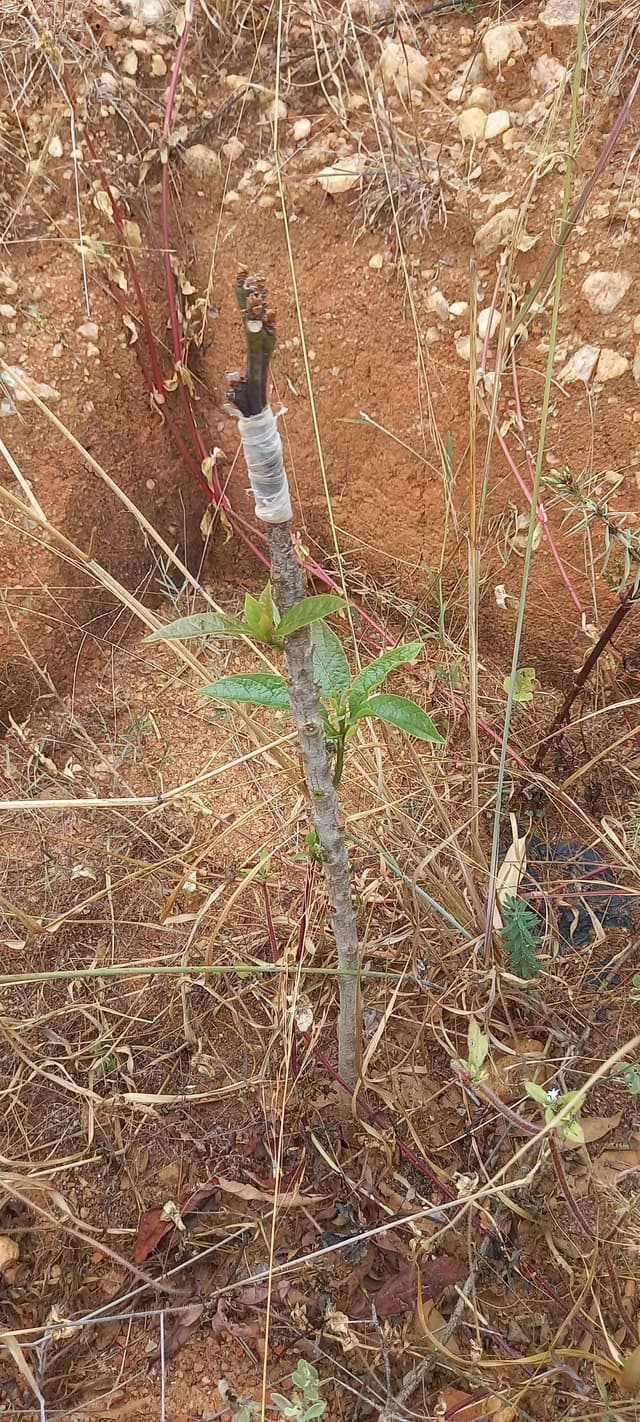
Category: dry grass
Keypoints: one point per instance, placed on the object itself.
(146, 1027)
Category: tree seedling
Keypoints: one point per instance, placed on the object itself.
(478, 1049)
(305, 1402)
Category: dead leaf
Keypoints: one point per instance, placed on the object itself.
(398, 1294)
(255, 1294)
(629, 1378)
(154, 1223)
(221, 1324)
(507, 1071)
(465, 1408)
(594, 1128)
(511, 870)
(249, 1192)
(611, 1165)
(183, 1325)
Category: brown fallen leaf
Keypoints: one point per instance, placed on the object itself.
(506, 1073)
(155, 1223)
(466, 1408)
(611, 1165)
(181, 1328)
(398, 1294)
(250, 1192)
(255, 1294)
(220, 1323)
(594, 1128)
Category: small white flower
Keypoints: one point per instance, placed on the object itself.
(553, 1093)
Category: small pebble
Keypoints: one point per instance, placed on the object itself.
(55, 149)
(301, 130)
(497, 123)
(7, 312)
(158, 66)
(376, 262)
(233, 149)
(89, 330)
(472, 124)
(130, 63)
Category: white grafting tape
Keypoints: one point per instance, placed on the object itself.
(263, 453)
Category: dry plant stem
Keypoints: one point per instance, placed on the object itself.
(289, 588)
(587, 1229)
(579, 680)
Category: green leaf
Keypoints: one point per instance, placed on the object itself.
(478, 1047)
(571, 1131)
(315, 1410)
(521, 937)
(404, 714)
(254, 688)
(305, 1375)
(311, 609)
(329, 661)
(373, 676)
(523, 684)
(537, 1093)
(287, 1408)
(201, 624)
(259, 616)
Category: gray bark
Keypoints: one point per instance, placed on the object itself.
(289, 587)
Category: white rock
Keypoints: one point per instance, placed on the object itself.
(232, 196)
(481, 98)
(605, 290)
(636, 365)
(158, 66)
(341, 176)
(636, 325)
(89, 330)
(376, 262)
(463, 348)
(130, 63)
(497, 123)
(471, 71)
(403, 68)
(151, 12)
(203, 162)
(484, 317)
(611, 365)
(7, 312)
(500, 43)
(55, 149)
(458, 308)
(233, 149)
(547, 73)
(496, 232)
(107, 84)
(560, 14)
(301, 130)
(455, 94)
(437, 302)
(472, 124)
(7, 284)
(580, 365)
(276, 110)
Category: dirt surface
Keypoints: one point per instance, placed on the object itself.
(124, 1095)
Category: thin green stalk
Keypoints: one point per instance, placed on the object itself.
(546, 400)
(192, 970)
